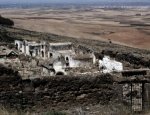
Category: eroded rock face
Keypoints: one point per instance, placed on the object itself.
(54, 91)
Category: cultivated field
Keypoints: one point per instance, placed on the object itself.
(129, 27)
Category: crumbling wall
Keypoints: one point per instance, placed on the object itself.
(132, 58)
(60, 90)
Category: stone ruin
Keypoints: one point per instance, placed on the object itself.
(19, 93)
(64, 58)
(79, 65)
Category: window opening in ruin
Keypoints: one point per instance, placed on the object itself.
(58, 58)
(42, 54)
(51, 65)
(31, 53)
(17, 46)
(67, 64)
(67, 59)
(100, 57)
(36, 52)
(20, 45)
(42, 46)
(4, 49)
(50, 55)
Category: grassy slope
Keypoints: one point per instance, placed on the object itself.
(9, 34)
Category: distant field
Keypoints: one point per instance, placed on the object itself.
(129, 27)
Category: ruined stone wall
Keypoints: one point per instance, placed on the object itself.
(132, 58)
(55, 91)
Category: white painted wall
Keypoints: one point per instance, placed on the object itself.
(74, 63)
(55, 55)
(110, 65)
(59, 67)
(27, 49)
(20, 46)
(78, 63)
(17, 42)
(94, 58)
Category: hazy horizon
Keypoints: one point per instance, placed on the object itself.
(70, 3)
(66, 1)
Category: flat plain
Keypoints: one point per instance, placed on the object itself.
(129, 27)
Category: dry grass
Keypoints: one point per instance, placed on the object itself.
(98, 24)
(4, 111)
(110, 109)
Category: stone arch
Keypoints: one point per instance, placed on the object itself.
(67, 58)
(60, 73)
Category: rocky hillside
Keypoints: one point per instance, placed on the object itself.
(65, 91)
(130, 57)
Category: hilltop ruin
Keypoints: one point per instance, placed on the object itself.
(55, 73)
